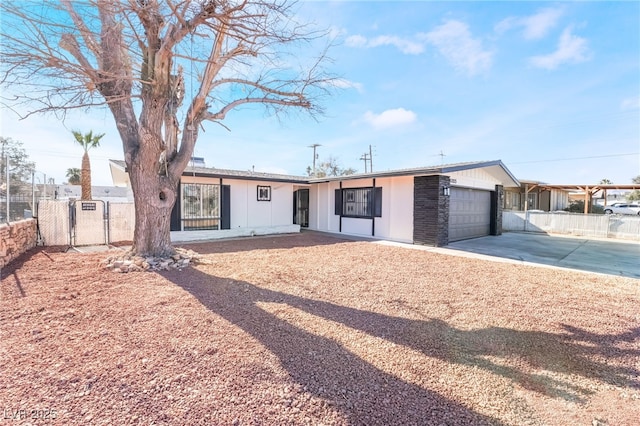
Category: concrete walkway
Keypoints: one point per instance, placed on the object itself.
(607, 256)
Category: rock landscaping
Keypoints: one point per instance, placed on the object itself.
(128, 262)
(314, 330)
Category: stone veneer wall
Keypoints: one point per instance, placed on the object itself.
(430, 210)
(16, 238)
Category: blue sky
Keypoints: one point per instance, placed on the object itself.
(550, 88)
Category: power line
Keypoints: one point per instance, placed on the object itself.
(573, 158)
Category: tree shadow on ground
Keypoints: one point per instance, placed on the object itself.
(11, 282)
(324, 368)
(368, 395)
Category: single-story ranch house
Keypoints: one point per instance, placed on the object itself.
(427, 205)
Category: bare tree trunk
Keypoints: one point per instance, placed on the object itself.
(85, 177)
(154, 197)
(154, 200)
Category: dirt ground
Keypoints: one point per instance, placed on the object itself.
(309, 329)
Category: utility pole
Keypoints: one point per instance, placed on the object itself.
(365, 157)
(315, 157)
(442, 155)
(370, 160)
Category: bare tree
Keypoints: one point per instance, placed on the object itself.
(330, 167)
(162, 68)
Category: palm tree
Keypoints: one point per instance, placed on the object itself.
(88, 141)
(73, 174)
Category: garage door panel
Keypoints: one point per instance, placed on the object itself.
(469, 213)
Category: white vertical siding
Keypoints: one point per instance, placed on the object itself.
(559, 200)
(474, 178)
(396, 222)
(357, 226)
(322, 207)
(247, 211)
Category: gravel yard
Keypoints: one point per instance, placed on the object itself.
(310, 329)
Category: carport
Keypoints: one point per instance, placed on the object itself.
(588, 190)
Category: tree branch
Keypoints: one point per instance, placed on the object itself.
(222, 113)
(87, 35)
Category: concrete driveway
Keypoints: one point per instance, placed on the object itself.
(614, 257)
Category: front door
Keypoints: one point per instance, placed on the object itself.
(301, 207)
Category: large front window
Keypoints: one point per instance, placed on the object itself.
(200, 206)
(357, 202)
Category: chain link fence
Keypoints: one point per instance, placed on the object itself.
(20, 192)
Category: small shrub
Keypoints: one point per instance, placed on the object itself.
(578, 207)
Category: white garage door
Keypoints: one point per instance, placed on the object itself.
(469, 213)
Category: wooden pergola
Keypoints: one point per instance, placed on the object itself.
(589, 191)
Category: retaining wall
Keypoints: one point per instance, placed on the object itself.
(16, 238)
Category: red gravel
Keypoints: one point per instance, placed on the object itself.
(309, 329)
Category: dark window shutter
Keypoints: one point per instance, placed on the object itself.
(225, 217)
(377, 207)
(176, 211)
(338, 204)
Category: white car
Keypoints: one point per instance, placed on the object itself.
(622, 208)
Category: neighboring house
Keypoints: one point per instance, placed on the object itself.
(428, 205)
(534, 195)
(103, 193)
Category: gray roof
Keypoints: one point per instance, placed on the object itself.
(417, 171)
(429, 170)
(227, 173)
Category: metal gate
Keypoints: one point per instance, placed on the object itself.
(82, 223)
(88, 223)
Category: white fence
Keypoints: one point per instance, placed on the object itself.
(121, 221)
(81, 223)
(590, 225)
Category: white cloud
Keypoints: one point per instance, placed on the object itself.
(630, 104)
(336, 32)
(452, 39)
(571, 49)
(538, 25)
(356, 41)
(405, 46)
(342, 83)
(455, 42)
(390, 118)
(535, 26)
